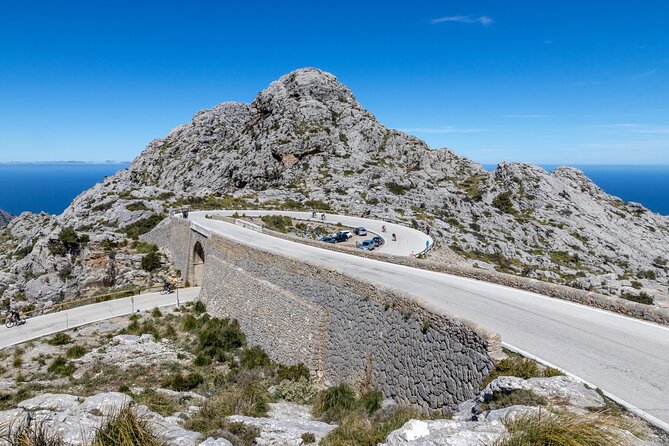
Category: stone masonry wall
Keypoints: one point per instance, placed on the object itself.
(370, 336)
(344, 329)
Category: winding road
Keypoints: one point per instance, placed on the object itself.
(627, 358)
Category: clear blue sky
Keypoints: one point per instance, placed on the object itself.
(548, 82)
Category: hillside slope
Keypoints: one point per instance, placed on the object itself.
(305, 141)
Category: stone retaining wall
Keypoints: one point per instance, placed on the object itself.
(344, 329)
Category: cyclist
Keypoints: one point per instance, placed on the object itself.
(383, 228)
(167, 286)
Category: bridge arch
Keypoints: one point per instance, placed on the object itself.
(198, 264)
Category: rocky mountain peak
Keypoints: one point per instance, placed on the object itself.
(306, 87)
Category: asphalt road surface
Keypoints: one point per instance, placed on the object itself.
(64, 320)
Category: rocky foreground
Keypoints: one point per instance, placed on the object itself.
(179, 383)
(305, 142)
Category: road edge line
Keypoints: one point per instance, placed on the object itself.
(628, 406)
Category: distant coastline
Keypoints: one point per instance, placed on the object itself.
(639, 183)
(51, 186)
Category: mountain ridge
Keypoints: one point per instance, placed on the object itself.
(306, 139)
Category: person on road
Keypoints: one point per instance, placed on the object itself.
(383, 228)
(313, 214)
(13, 315)
(184, 213)
(394, 237)
(168, 287)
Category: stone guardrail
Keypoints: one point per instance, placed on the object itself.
(248, 225)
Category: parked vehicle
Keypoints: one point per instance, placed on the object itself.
(348, 234)
(378, 241)
(328, 239)
(339, 237)
(360, 231)
(367, 245)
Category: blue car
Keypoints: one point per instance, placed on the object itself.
(367, 245)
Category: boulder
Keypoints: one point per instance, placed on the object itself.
(446, 433)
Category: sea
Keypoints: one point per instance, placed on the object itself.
(51, 187)
(48, 187)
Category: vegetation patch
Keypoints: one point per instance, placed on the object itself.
(561, 429)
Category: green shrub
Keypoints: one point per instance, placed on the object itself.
(61, 366)
(277, 223)
(293, 372)
(395, 188)
(356, 428)
(152, 261)
(60, 339)
(521, 397)
(503, 203)
(250, 399)
(189, 322)
(333, 403)
(182, 383)
(308, 438)
(254, 357)
(140, 227)
(219, 336)
(298, 391)
(199, 308)
(642, 298)
(515, 366)
(76, 351)
(156, 312)
(126, 427)
(371, 401)
(158, 402)
(144, 248)
(136, 206)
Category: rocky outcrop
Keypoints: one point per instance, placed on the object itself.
(78, 419)
(305, 140)
(285, 424)
(5, 218)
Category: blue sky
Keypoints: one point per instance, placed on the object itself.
(566, 82)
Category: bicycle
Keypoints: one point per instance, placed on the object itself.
(168, 288)
(13, 319)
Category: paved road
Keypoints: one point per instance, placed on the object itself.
(625, 357)
(51, 323)
(409, 241)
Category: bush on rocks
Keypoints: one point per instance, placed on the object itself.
(126, 427)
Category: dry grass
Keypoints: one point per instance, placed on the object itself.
(30, 433)
(126, 428)
(563, 429)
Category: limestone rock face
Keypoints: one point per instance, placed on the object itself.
(284, 425)
(306, 139)
(446, 433)
(5, 218)
(562, 390)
